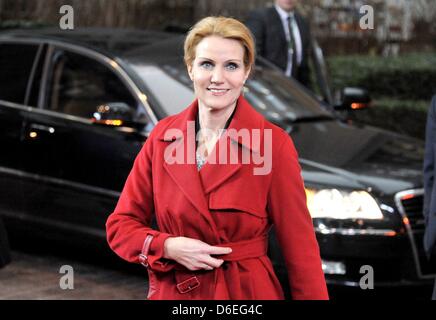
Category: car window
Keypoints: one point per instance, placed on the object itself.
(276, 96)
(33, 92)
(16, 63)
(79, 84)
(172, 92)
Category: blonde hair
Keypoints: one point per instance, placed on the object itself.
(227, 28)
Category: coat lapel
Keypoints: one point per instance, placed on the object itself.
(187, 179)
(179, 138)
(213, 175)
(231, 144)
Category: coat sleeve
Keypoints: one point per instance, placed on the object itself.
(429, 158)
(293, 223)
(130, 223)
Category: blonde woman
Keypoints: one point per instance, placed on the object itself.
(216, 193)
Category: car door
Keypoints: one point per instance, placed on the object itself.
(19, 65)
(86, 164)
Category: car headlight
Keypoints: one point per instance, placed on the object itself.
(341, 204)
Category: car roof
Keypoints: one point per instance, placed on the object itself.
(112, 41)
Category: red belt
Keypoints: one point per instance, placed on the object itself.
(246, 249)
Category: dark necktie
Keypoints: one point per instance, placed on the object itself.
(292, 47)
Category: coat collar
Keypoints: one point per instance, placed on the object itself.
(196, 184)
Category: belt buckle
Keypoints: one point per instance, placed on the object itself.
(188, 284)
(143, 259)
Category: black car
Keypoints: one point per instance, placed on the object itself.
(76, 107)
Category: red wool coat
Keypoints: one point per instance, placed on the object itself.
(223, 204)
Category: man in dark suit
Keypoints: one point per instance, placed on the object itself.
(429, 185)
(283, 37)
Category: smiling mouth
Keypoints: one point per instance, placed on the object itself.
(214, 90)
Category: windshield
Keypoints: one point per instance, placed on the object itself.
(269, 92)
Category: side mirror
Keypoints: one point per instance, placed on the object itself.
(113, 114)
(350, 98)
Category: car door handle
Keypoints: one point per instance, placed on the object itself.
(41, 127)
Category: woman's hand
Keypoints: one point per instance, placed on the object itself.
(193, 254)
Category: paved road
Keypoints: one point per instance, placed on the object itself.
(32, 276)
(36, 276)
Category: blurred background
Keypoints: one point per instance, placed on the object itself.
(395, 61)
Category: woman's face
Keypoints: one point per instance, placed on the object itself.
(218, 72)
